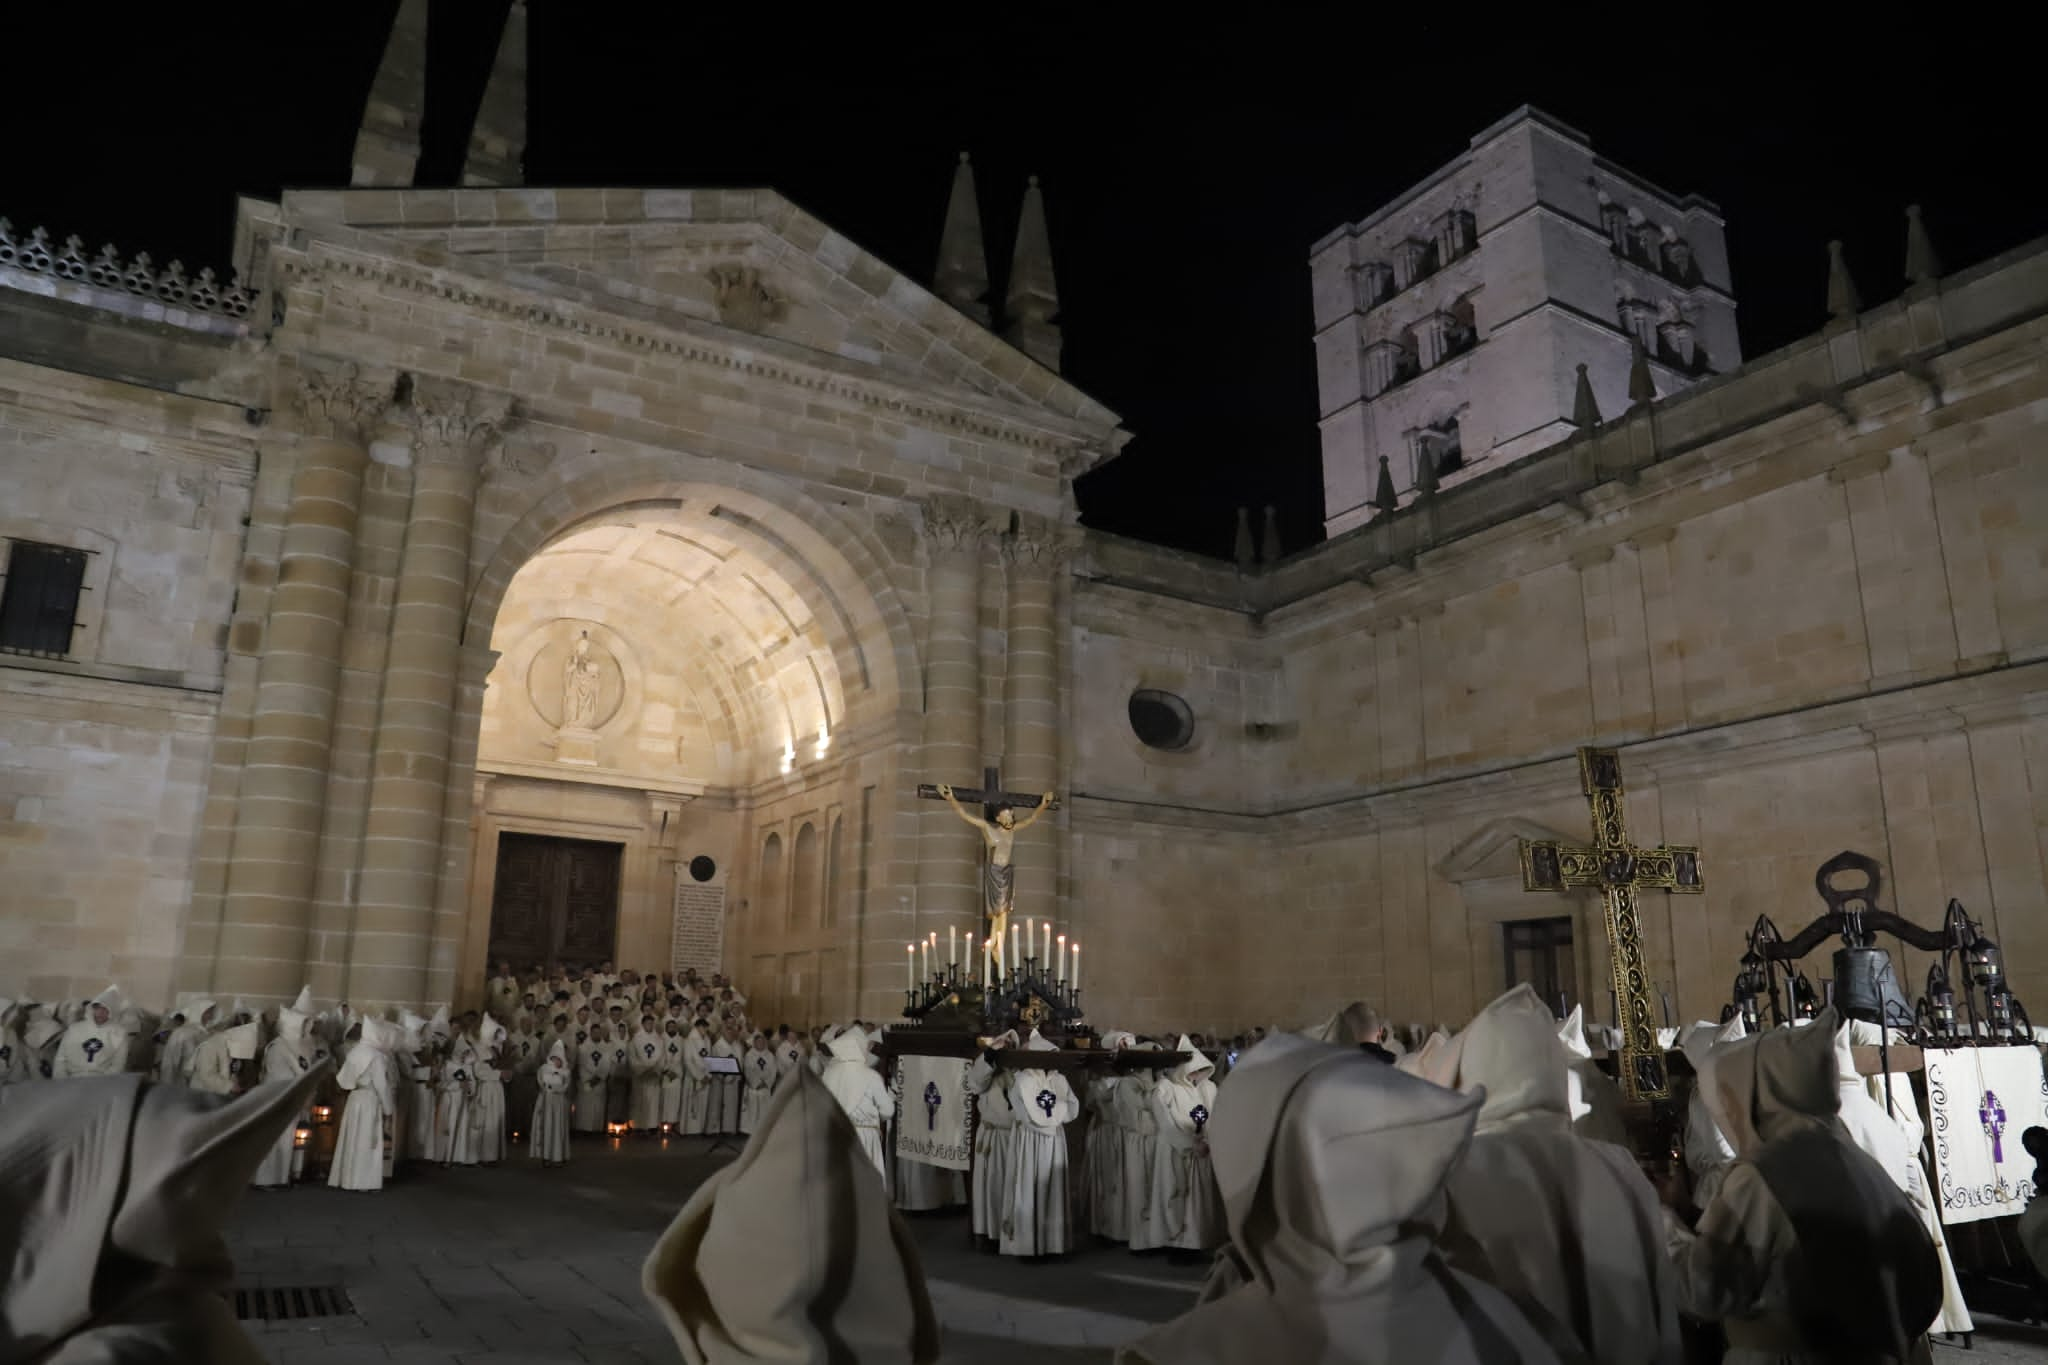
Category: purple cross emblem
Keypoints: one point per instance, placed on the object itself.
(931, 1105)
(1200, 1114)
(1992, 1115)
(1048, 1102)
(760, 1063)
(648, 1048)
(92, 1049)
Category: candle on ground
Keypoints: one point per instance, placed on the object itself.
(910, 968)
(1063, 959)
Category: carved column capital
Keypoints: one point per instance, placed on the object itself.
(1034, 541)
(454, 423)
(954, 522)
(337, 400)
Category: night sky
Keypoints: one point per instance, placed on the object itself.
(1187, 167)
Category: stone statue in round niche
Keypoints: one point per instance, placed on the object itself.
(575, 683)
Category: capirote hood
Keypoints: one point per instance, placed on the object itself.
(1774, 1084)
(850, 1044)
(793, 1255)
(1197, 1066)
(1308, 1120)
(1510, 1051)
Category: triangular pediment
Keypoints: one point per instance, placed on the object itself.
(745, 261)
(1493, 850)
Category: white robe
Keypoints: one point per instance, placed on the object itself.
(285, 1059)
(1105, 1161)
(420, 1109)
(1185, 1211)
(672, 1081)
(593, 1065)
(89, 1049)
(359, 1146)
(490, 1113)
(213, 1069)
(995, 1137)
(15, 1066)
(757, 1081)
(457, 1122)
(549, 1137)
(865, 1099)
(789, 1059)
(696, 1083)
(174, 1060)
(645, 1055)
(1139, 1130)
(1036, 1222)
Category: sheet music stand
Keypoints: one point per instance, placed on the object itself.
(726, 1139)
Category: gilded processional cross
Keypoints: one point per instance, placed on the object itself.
(1618, 869)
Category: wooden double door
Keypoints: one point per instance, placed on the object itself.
(556, 901)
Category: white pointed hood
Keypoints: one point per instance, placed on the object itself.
(1037, 1044)
(848, 1045)
(243, 1040)
(304, 1004)
(111, 1000)
(291, 1024)
(1511, 1052)
(1197, 1066)
(195, 1011)
(1572, 1033)
(437, 1027)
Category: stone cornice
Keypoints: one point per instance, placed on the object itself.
(991, 419)
(63, 403)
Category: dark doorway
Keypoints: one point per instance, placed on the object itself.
(1539, 951)
(556, 901)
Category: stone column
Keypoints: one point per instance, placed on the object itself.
(949, 853)
(391, 941)
(451, 945)
(1031, 706)
(261, 950)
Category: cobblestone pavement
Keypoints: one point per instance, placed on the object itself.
(519, 1266)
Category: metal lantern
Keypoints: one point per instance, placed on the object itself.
(1986, 971)
(302, 1138)
(1940, 1003)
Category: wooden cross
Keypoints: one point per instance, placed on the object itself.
(1618, 869)
(991, 796)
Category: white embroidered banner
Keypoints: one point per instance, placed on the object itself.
(931, 1111)
(698, 938)
(1979, 1101)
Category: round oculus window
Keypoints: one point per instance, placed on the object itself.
(1161, 720)
(702, 868)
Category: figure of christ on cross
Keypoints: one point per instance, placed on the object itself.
(1618, 869)
(998, 825)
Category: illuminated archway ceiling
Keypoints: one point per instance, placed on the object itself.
(766, 639)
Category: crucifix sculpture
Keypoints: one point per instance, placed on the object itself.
(998, 827)
(1617, 869)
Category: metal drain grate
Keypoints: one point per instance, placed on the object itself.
(284, 1303)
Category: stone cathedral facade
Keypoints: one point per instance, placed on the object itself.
(599, 572)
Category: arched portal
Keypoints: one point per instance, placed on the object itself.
(676, 670)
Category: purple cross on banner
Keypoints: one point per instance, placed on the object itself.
(932, 1101)
(1992, 1115)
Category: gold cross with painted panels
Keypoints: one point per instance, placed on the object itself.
(1618, 869)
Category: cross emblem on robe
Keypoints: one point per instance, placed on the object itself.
(1618, 869)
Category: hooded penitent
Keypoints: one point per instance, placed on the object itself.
(1808, 1244)
(1596, 1104)
(113, 1190)
(1331, 1166)
(1566, 1226)
(859, 1090)
(792, 1254)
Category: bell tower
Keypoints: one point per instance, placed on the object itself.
(1522, 291)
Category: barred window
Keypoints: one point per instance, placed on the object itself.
(39, 601)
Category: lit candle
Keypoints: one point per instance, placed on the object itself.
(968, 961)
(1030, 936)
(927, 959)
(1045, 955)
(1011, 960)
(953, 944)
(1075, 984)
(1063, 958)
(910, 968)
